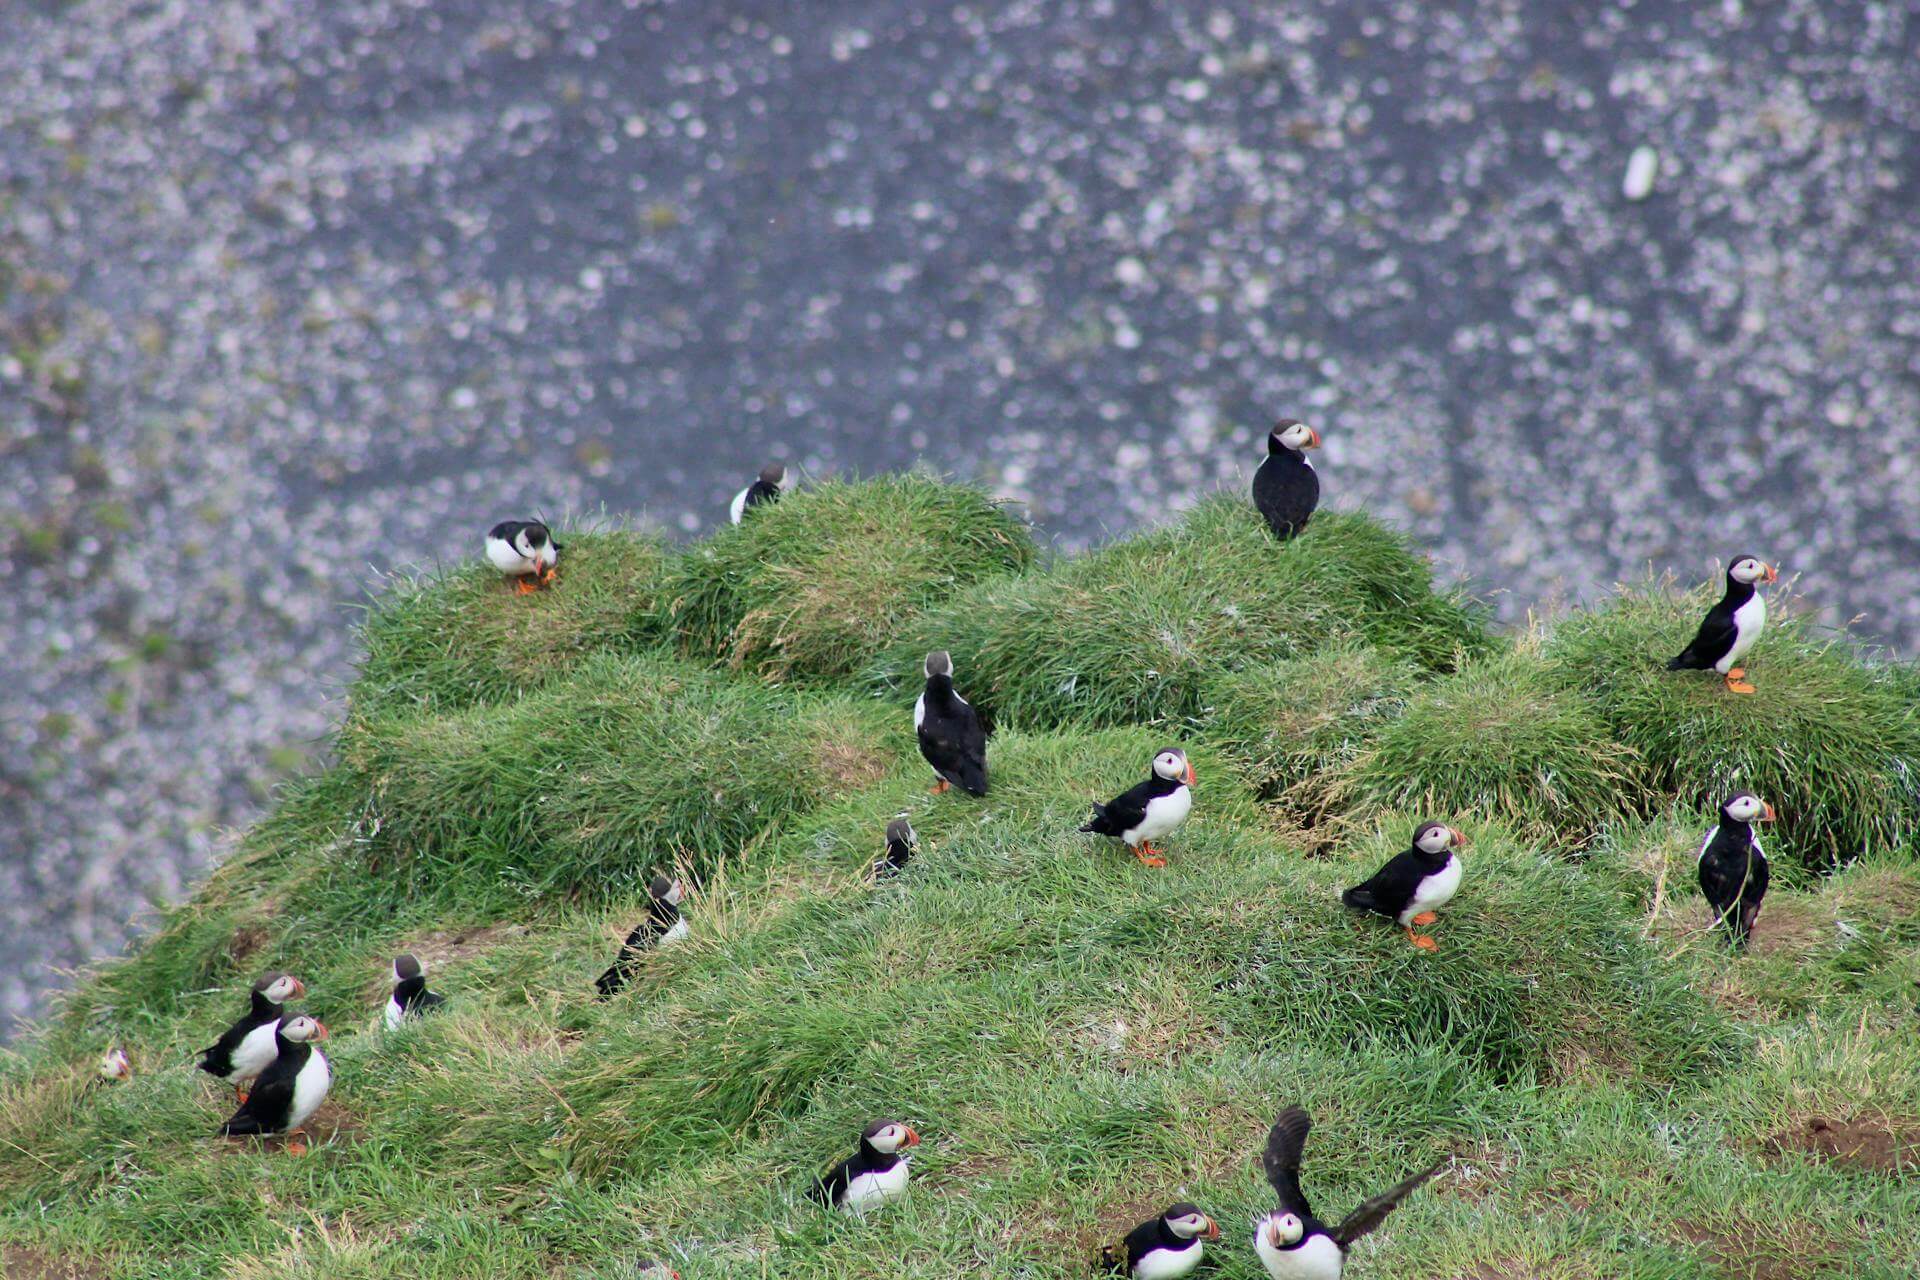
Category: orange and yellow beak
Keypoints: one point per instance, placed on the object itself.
(1192, 777)
(1772, 573)
(321, 1028)
(1768, 815)
(1460, 840)
(1313, 442)
(299, 989)
(1213, 1228)
(913, 1139)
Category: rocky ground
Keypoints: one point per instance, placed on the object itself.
(292, 295)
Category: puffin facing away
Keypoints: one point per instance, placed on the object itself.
(766, 489)
(901, 843)
(1733, 870)
(1291, 1242)
(523, 549)
(1140, 815)
(1415, 884)
(951, 736)
(874, 1174)
(246, 1048)
(291, 1090)
(1285, 488)
(1732, 626)
(116, 1065)
(1163, 1248)
(410, 995)
(663, 925)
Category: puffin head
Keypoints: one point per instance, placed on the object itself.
(1751, 569)
(1186, 1221)
(900, 831)
(116, 1065)
(1437, 838)
(300, 1029)
(1282, 1230)
(1173, 765)
(280, 987)
(1289, 435)
(531, 540)
(939, 663)
(1743, 806)
(774, 473)
(667, 889)
(889, 1136)
(407, 967)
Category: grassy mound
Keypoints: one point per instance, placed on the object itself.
(813, 584)
(1833, 744)
(1135, 631)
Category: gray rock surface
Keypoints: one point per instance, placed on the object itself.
(291, 294)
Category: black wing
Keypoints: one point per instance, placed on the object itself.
(1731, 877)
(627, 961)
(265, 1109)
(1374, 1210)
(217, 1058)
(1129, 809)
(1714, 638)
(834, 1184)
(1281, 1160)
(1390, 888)
(954, 744)
(427, 1001)
(1141, 1241)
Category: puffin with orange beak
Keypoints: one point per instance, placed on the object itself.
(1733, 870)
(288, 1092)
(523, 550)
(1414, 885)
(1286, 489)
(1291, 1243)
(875, 1173)
(1732, 626)
(1164, 1248)
(1140, 815)
(246, 1048)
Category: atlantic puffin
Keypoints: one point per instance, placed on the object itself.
(245, 1049)
(1733, 870)
(523, 549)
(1732, 626)
(766, 489)
(116, 1065)
(1142, 814)
(874, 1174)
(290, 1090)
(901, 842)
(651, 1269)
(663, 925)
(951, 736)
(1291, 1242)
(1163, 1248)
(1415, 884)
(410, 995)
(1285, 488)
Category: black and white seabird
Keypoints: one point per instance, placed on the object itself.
(1142, 814)
(767, 488)
(1415, 884)
(1286, 489)
(290, 1090)
(901, 842)
(523, 549)
(1733, 870)
(1732, 626)
(246, 1048)
(115, 1065)
(663, 925)
(1164, 1248)
(653, 1269)
(1291, 1242)
(873, 1174)
(951, 736)
(410, 995)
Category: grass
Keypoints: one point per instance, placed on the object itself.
(1080, 1040)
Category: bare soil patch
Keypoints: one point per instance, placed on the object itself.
(1877, 1144)
(18, 1262)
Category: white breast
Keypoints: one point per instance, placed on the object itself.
(919, 711)
(1435, 891)
(1317, 1258)
(1169, 1264)
(678, 933)
(870, 1190)
(255, 1053)
(1749, 620)
(502, 556)
(310, 1089)
(395, 1014)
(739, 507)
(1164, 813)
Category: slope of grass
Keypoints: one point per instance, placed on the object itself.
(1080, 1040)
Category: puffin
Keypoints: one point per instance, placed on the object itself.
(1733, 870)
(875, 1173)
(654, 1269)
(1415, 884)
(1163, 1248)
(663, 925)
(951, 736)
(1732, 626)
(410, 995)
(116, 1065)
(245, 1049)
(1291, 1242)
(290, 1090)
(901, 843)
(1140, 815)
(766, 489)
(523, 549)
(1285, 488)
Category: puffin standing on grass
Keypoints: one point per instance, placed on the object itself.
(1732, 626)
(1733, 870)
(288, 1092)
(1286, 489)
(873, 1174)
(1163, 1248)
(663, 925)
(523, 549)
(1143, 814)
(766, 489)
(1415, 884)
(1291, 1242)
(901, 842)
(116, 1065)
(410, 995)
(246, 1048)
(951, 736)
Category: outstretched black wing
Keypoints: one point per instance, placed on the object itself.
(1281, 1160)
(1374, 1210)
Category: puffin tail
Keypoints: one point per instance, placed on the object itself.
(1677, 664)
(242, 1125)
(1109, 1263)
(1098, 824)
(1360, 898)
(609, 983)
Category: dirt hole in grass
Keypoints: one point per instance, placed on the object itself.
(22, 1263)
(1876, 1144)
(1741, 1253)
(1789, 928)
(246, 942)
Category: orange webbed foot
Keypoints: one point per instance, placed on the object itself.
(941, 787)
(296, 1144)
(1422, 941)
(240, 1096)
(1736, 685)
(525, 588)
(1149, 856)
(1426, 918)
